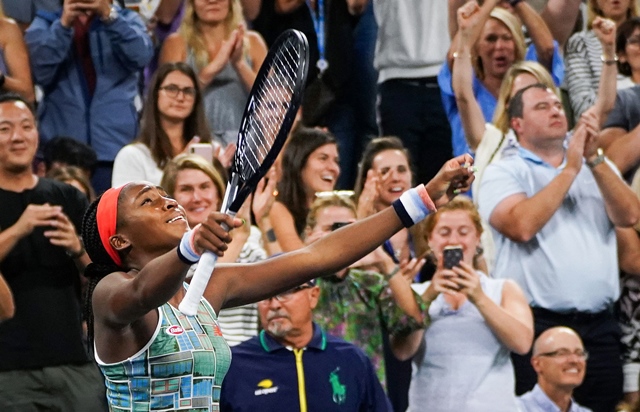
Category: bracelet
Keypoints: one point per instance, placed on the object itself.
(271, 235)
(600, 157)
(187, 250)
(413, 206)
(609, 62)
(76, 255)
(456, 55)
(392, 273)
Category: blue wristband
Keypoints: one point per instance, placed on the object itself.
(186, 250)
(413, 206)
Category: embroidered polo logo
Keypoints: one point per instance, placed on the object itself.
(175, 330)
(266, 387)
(339, 390)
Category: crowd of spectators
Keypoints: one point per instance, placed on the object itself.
(538, 99)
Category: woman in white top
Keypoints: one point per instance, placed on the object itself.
(172, 119)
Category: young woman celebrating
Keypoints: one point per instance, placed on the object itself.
(213, 41)
(141, 246)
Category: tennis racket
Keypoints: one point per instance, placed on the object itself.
(268, 116)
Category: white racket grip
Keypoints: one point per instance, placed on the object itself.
(198, 284)
(199, 281)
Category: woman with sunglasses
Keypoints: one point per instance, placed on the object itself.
(153, 356)
(172, 119)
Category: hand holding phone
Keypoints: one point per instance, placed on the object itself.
(451, 255)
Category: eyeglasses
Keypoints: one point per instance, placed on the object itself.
(173, 91)
(285, 296)
(566, 353)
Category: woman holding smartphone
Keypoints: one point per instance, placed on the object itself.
(452, 371)
(173, 118)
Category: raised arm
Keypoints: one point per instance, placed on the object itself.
(538, 31)
(454, 5)
(462, 76)
(480, 20)
(561, 16)
(18, 77)
(605, 30)
(623, 148)
(580, 75)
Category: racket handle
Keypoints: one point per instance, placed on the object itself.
(198, 284)
(199, 281)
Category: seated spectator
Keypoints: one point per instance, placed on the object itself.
(7, 306)
(461, 362)
(66, 151)
(173, 117)
(196, 185)
(309, 165)
(226, 56)
(358, 304)
(584, 57)
(87, 60)
(494, 42)
(75, 177)
(294, 365)
(15, 74)
(560, 361)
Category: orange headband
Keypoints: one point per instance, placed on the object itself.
(106, 217)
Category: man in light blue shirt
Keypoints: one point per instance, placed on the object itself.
(553, 210)
(559, 359)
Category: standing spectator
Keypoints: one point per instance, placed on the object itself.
(410, 50)
(494, 40)
(15, 74)
(554, 211)
(560, 361)
(43, 362)
(87, 60)
(173, 117)
(213, 40)
(584, 56)
(294, 365)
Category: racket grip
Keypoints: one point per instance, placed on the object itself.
(198, 284)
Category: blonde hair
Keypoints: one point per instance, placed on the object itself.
(500, 116)
(513, 25)
(323, 202)
(190, 30)
(594, 11)
(190, 161)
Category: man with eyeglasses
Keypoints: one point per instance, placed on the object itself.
(559, 359)
(293, 365)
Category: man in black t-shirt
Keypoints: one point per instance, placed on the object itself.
(43, 362)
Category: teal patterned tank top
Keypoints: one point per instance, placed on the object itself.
(180, 369)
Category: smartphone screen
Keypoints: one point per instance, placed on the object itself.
(451, 255)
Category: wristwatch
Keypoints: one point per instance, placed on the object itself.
(76, 255)
(596, 160)
(111, 17)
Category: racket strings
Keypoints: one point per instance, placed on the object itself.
(269, 108)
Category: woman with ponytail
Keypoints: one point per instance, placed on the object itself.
(142, 247)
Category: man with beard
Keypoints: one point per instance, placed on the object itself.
(293, 363)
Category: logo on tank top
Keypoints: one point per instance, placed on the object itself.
(174, 330)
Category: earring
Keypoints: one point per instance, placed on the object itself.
(479, 250)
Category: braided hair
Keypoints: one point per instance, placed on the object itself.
(102, 264)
